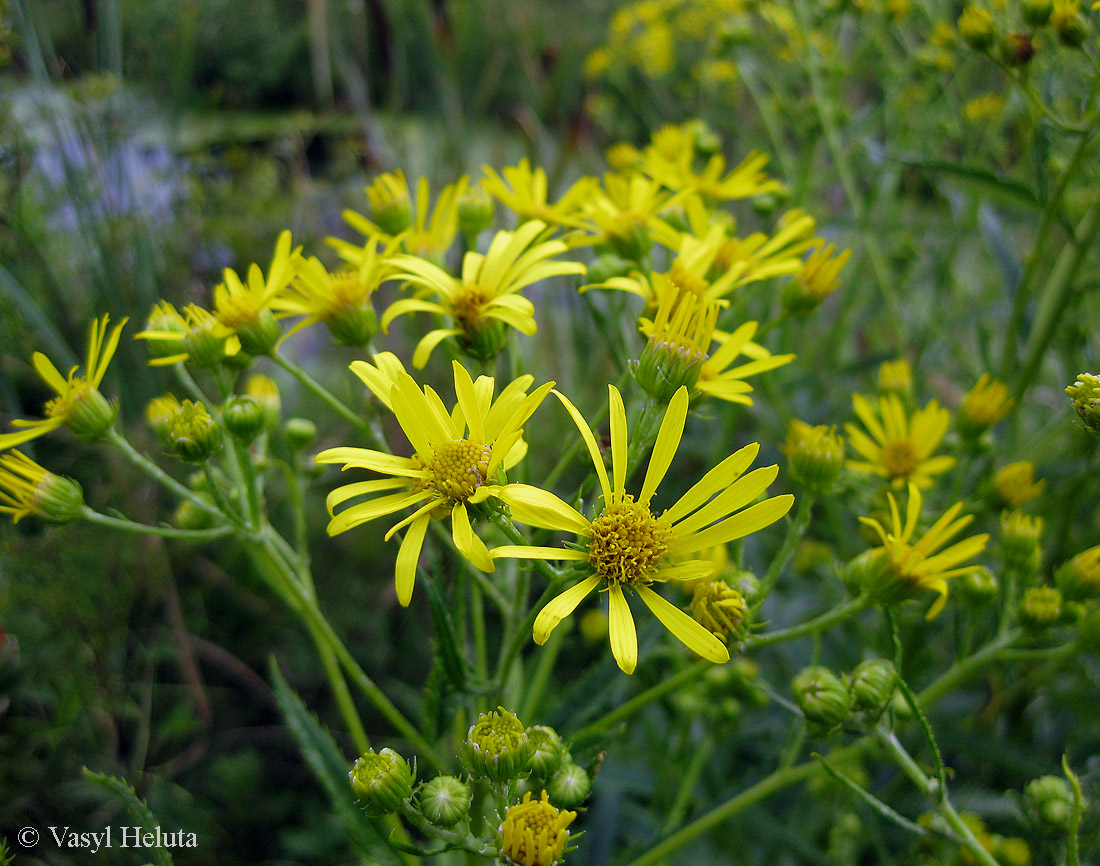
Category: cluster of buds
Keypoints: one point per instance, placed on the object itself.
(1048, 800)
(1085, 394)
(829, 701)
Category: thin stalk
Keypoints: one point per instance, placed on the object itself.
(795, 533)
(966, 668)
(519, 638)
(220, 500)
(124, 525)
(329, 399)
(159, 475)
(813, 626)
(699, 760)
(536, 685)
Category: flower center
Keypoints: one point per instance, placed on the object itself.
(899, 459)
(466, 307)
(62, 405)
(345, 290)
(627, 542)
(459, 467)
(687, 282)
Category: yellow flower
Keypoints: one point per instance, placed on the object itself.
(718, 379)
(899, 449)
(622, 212)
(27, 488)
(925, 564)
(427, 237)
(456, 456)
(817, 279)
(246, 309)
(627, 547)
(895, 377)
(524, 192)
(1016, 484)
(986, 404)
(486, 297)
(534, 832)
(78, 404)
(196, 333)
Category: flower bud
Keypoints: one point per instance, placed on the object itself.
(475, 213)
(548, 750)
(1019, 543)
(159, 412)
(259, 333)
(194, 434)
(382, 781)
(1050, 800)
(822, 698)
(570, 786)
(1069, 25)
(300, 432)
(29, 489)
(721, 610)
(816, 455)
(818, 278)
(986, 404)
(895, 377)
(533, 832)
(243, 416)
(354, 323)
(1015, 483)
(164, 333)
(1037, 12)
(1085, 394)
(870, 686)
(388, 196)
(189, 516)
(485, 339)
(976, 28)
(89, 414)
(979, 587)
(266, 392)
(1041, 607)
(445, 800)
(607, 266)
(497, 747)
(1079, 578)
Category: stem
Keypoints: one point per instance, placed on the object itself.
(964, 669)
(126, 525)
(159, 475)
(795, 532)
(330, 400)
(813, 626)
(687, 785)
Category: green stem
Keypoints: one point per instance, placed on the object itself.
(966, 668)
(795, 532)
(699, 760)
(536, 686)
(813, 626)
(329, 399)
(160, 531)
(159, 475)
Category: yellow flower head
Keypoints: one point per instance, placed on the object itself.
(908, 566)
(27, 488)
(1016, 484)
(485, 300)
(895, 377)
(720, 380)
(673, 165)
(525, 192)
(899, 448)
(623, 210)
(78, 404)
(427, 236)
(534, 832)
(679, 338)
(246, 308)
(818, 278)
(457, 454)
(628, 547)
(196, 333)
(986, 404)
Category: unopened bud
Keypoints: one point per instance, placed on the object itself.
(382, 781)
(822, 698)
(445, 800)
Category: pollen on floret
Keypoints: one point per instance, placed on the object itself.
(534, 832)
(626, 542)
(459, 467)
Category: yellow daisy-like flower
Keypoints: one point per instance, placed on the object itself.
(628, 547)
(985, 404)
(525, 192)
(27, 488)
(196, 335)
(78, 404)
(909, 566)
(623, 211)
(534, 832)
(457, 454)
(485, 300)
(1016, 484)
(899, 449)
(341, 300)
(245, 308)
(427, 236)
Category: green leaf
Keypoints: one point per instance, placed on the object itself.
(139, 812)
(331, 769)
(980, 180)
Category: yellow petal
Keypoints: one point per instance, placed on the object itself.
(589, 441)
(748, 521)
(468, 544)
(360, 488)
(372, 509)
(696, 638)
(668, 440)
(722, 475)
(619, 444)
(467, 399)
(407, 558)
(523, 551)
(365, 458)
(739, 494)
(537, 507)
(561, 606)
(624, 639)
(48, 371)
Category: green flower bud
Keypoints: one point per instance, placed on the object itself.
(976, 28)
(475, 213)
(189, 516)
(978, 588)
(631, 241)
(497, 747)
(570, 786)
(816, 456)
(382, 781)
(159, 412)
(205, 343)
(484, 340)
(244, 416)
(822, 698)
(29, 489)
(1041, 607)
(266, 392)
(870, 686)
(607, 266)
(89, 414)
(300, 432)
(1037, 12)
(1070, 26)
(354, 324)
(1079, 578)
(388, 196)
(194, 434)
(1019, 542)
(445, 800)
(1085, 394)
(548, 751)
(166, 320)
(259, 334)
(1050, 800)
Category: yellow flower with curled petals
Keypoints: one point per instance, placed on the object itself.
(899, 448)
(627, 547)
(78, 404)
(457, 455)
(906, 566)
(484, 301)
